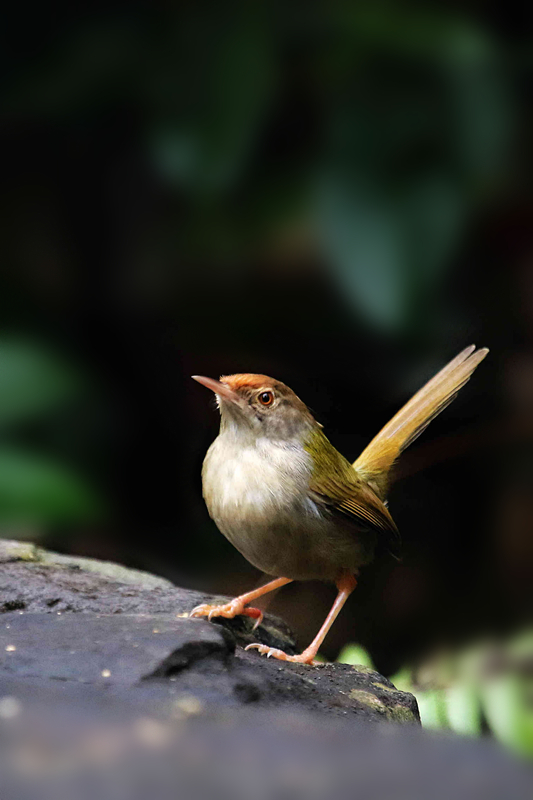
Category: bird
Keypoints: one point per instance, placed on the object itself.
(296, 508)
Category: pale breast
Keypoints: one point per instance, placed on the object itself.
(250, 482)
(258, 497)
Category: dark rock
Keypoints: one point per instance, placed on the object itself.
(132, 698)
(63, 741)
(135, 628)
(107, 650)
(189, 656)
(36, 580)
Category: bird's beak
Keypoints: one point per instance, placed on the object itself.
(219, 388)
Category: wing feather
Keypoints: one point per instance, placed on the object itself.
(338, 487)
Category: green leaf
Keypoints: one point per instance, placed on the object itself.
(463, 708)
(32, 381)
(355, 654)
(403, 680)
(432, 707)
(37, 491)
(462, 681)
(509, 711)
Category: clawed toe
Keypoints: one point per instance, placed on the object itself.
(267, 651)
(206, 610)
(203, 610)
(263, 649)
(228, 611)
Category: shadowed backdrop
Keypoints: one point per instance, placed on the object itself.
(337, 195)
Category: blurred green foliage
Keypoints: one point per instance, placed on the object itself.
(33, 381)
(37, 490)
(419, 131)
(380, 128)
(486, 688)
(355, 654)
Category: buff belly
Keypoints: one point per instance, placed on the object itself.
(259, 500)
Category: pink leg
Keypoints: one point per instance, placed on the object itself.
(237, 605)
(346, 584)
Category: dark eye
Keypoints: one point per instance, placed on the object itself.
(266, 398)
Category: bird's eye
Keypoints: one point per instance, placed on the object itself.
(266, 398)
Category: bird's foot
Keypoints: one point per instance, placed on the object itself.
(307, 657)
(229, 610)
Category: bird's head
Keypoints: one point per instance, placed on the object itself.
(259, 406)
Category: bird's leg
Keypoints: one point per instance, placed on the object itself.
(346, 584)
(237, 605)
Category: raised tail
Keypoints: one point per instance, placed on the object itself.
(376, 460)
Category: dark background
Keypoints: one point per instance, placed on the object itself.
(335, 194)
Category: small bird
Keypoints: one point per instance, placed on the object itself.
(290, 502)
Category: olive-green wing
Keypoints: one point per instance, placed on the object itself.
(336, 485)
(360, 504)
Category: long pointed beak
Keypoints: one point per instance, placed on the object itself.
(222, 389)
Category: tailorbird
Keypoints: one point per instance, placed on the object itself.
(290, 502)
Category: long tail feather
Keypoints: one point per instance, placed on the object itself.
(376, 461)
